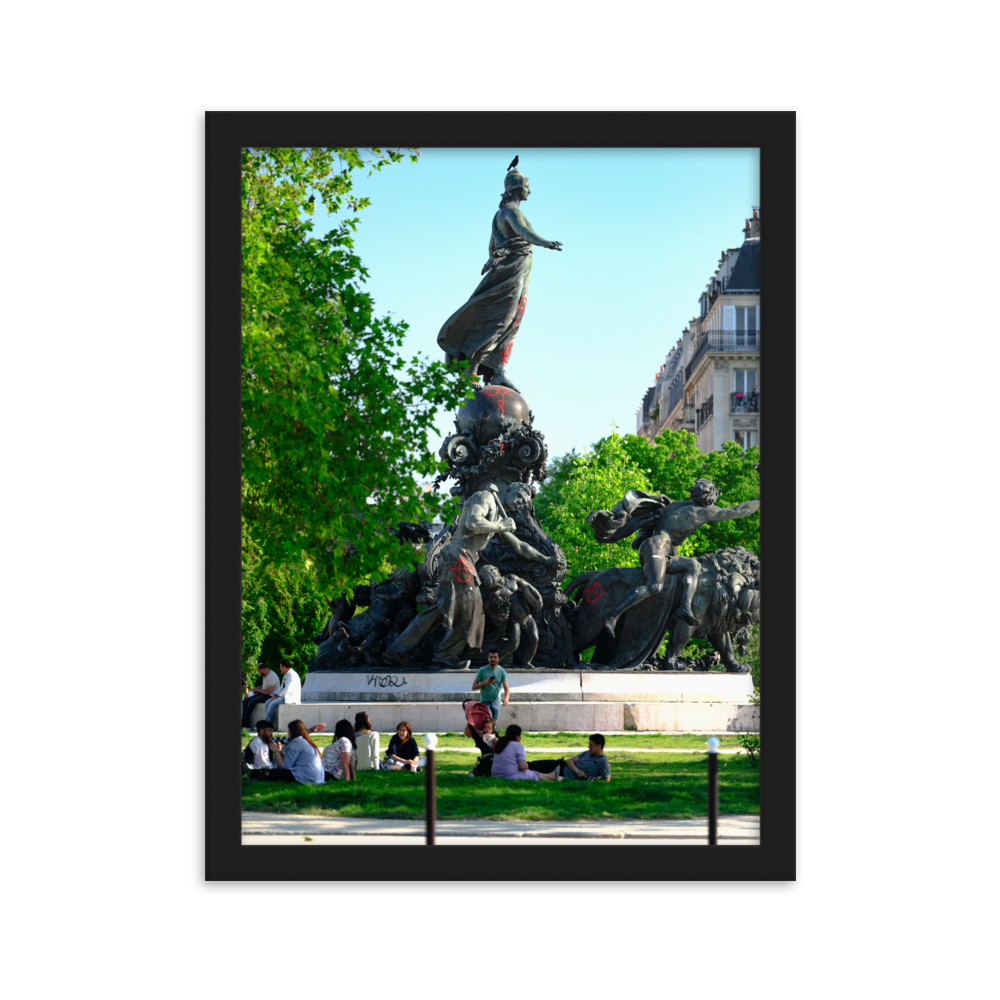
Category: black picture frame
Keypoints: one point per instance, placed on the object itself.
(227, 132)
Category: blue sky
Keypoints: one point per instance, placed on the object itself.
(642, 230)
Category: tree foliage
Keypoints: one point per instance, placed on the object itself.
(580, 484)
(336, 422)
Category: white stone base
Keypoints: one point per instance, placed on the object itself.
(407, 687)
(537, 716)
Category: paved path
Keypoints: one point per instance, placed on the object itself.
(270, 829)
(577, 749)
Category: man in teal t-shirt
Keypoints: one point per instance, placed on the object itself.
(489, 682)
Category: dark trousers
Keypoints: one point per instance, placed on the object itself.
(272, 774)
(547, 766)
(250, 702)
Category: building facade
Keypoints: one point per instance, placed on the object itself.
(709, 383)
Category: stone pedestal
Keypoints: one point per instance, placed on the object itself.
(528, 685)
(540, 701)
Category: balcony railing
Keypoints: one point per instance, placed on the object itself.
(723, 340)
(704, 412)
(744, 403)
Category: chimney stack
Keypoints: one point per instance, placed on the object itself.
(751, 231)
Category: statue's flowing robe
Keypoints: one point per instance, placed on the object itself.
(483, 330)
(458, 605)
(458, 596)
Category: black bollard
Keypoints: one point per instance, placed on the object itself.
(430, 787)
(713, 791)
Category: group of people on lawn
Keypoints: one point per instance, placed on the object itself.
(356, 747)
(353, 748)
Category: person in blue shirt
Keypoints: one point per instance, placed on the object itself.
(301, 758)
(591, 764)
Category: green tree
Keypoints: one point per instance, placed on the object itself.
(254, 628)
(560, 470)
(336, 423)
(581, 484)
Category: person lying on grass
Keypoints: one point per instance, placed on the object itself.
(592, 763)
(509, 759)
(338, 757)
(402, 752)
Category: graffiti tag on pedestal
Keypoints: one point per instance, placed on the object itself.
(386, 681)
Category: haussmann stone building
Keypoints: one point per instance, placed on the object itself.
(710, 381)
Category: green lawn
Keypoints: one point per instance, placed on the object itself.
(639, 741)
(642, 786)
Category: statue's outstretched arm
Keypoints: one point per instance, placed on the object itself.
(516, 220)
(526, 551)
(711, 515)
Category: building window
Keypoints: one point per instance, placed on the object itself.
(746, 439)
(744, 380)
(746, 326)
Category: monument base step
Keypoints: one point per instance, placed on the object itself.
(538, 716)
(408, 687)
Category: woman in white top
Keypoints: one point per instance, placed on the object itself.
(338, 757)
(367, 742)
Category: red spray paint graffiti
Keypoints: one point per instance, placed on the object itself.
(520, 310)
(593, 592)
(461, 571)
(499, 392)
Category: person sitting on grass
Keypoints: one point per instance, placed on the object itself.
(338, 760)
(592, 763)
(302, 759)
(366, 742)
(263, 752)
(402, 753)
(509, 759)
(264, 756)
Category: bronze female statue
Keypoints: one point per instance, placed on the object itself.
(482, 332)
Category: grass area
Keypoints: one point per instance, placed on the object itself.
(637, 741)
(642, 786)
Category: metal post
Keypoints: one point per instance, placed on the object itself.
(713, 791)
(430, 787)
